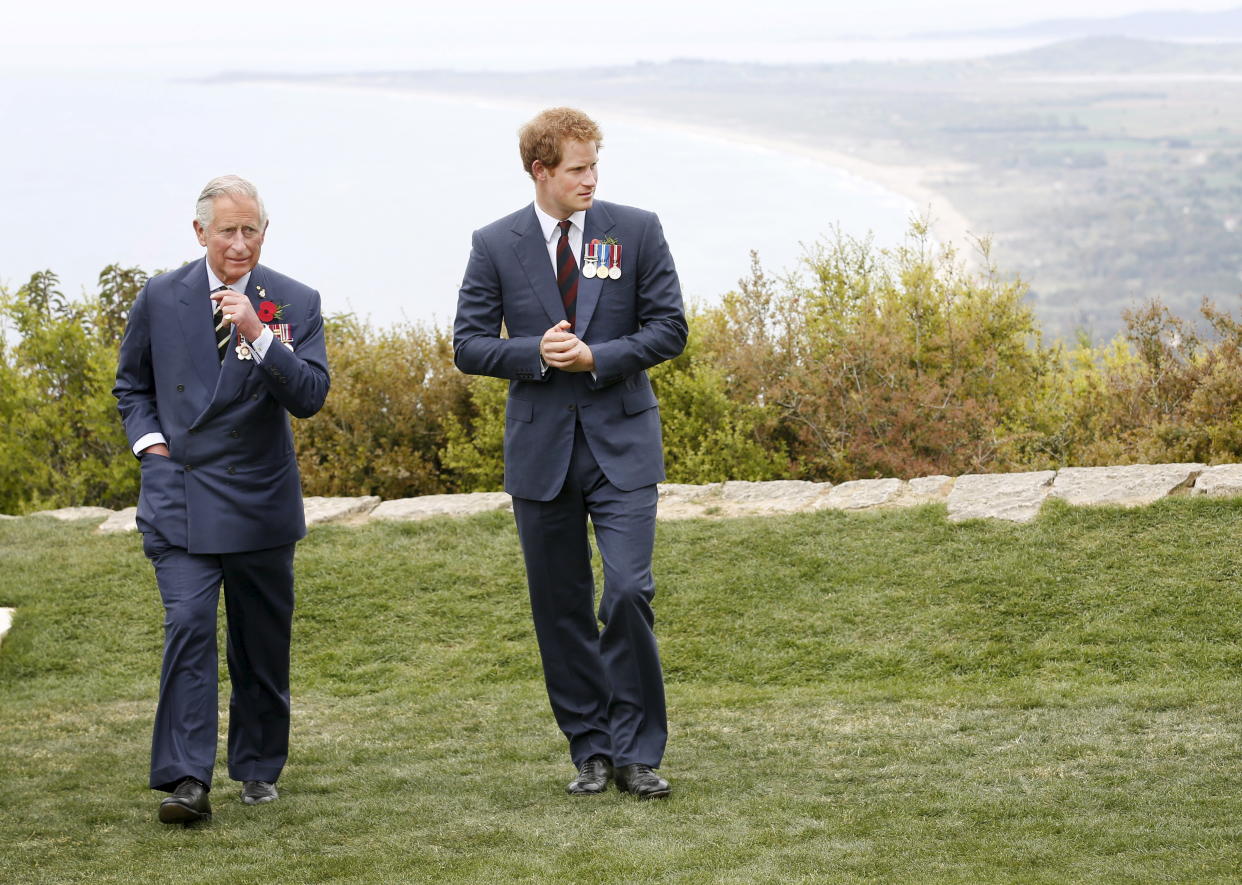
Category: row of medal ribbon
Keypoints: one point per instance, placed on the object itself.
(603, 260)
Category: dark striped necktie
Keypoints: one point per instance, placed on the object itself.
(567, 272)
(224, 330)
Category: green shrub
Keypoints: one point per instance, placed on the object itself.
(861, 362)
(384, 427)
(62, 443)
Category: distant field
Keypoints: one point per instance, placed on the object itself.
(883, 698)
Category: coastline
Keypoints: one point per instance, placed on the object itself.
(915, 184)
(948, 225)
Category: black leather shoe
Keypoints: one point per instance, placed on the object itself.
(258, 792)
(593, 777)
(639, 780)
(187, 804)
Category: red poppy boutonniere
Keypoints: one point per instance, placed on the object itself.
(270, 311)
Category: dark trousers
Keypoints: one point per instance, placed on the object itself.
(258, 603)
(606, 687)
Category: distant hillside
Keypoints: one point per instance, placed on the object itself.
(1118, 55)
(1162, 25)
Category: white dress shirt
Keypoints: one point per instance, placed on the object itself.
(552, 233)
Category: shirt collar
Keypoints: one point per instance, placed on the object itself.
(549, 224)
(213, 284)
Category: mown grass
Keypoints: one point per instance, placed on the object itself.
(884, 698)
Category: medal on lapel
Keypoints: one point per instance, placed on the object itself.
(591, 262)
(283, 333)
(609, 260)
(614, 266)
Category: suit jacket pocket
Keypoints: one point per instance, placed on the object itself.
(635, 401)
(519, 410)
(161, 499)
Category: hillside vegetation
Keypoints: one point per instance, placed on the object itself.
(866, 362)
(852, 699)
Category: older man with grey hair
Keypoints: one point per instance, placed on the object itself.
(216, 356)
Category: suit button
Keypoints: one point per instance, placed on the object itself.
(180, 387)
(232, 470)
(573, 408)
(234, 434)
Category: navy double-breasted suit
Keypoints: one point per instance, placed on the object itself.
(581, 444)
(224, 507)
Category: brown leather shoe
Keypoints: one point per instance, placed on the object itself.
(639, 780)
(593, 777)
(187, 804)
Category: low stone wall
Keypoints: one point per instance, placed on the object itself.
(1016, 497)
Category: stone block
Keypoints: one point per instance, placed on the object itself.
(1130, 485)
(74, 514)
(926, 490)
(682, 491)
(1221, 481)
(776, 496)
(320, 510)
(1016, 497)
(864, 494)
(427, 506)
(119, 522)
(679, 500)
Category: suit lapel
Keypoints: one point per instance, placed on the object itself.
(194, 316)
(532, 253)
(598, 223)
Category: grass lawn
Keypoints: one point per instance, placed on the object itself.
(882, 698)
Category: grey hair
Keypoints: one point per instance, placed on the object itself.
(233, 185)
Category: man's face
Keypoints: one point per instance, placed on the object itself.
(569, 187)
(233, 239)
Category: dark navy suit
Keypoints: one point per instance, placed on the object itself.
(225, 507)
(578, 446)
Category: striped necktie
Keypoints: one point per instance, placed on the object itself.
(224, 330)
(567, 272)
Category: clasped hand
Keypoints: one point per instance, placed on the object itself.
(562, 349)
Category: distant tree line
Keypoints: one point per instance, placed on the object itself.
(862, 362)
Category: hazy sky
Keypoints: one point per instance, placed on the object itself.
(314, 34)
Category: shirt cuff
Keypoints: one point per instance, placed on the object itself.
(147, 440)
(262, 343)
